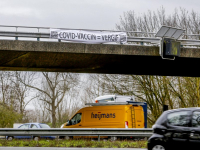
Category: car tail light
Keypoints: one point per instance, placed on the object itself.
(96, 101)
(126, 124)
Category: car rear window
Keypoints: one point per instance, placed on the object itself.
(180, 118)
(44, 126)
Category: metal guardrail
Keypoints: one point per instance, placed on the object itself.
(137, 132)
(133, 39)
(39, 35)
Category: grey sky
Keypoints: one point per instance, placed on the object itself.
(85, 14)
(81, 14)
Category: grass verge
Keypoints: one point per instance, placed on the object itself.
(74, 143)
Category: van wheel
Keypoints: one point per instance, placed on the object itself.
(113, 138)
(10, 138)
(68, 137)
(61, 137)
(36, 138)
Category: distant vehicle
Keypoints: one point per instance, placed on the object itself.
(31, 126)
(16, 125)
(176, 129)
(109, 112)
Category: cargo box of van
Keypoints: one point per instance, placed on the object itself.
(110, 113)
(108, 116)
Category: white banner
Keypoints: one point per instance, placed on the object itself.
(83, 36)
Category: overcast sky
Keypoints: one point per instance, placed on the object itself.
(81, 14)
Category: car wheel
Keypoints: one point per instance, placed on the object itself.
(68, 137)
(113, 138)
(61, 137)
(158, 147)
(36, 138)
(10, 138)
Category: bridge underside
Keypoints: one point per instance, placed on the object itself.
(87, 62)
(98, 63)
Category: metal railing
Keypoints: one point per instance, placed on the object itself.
(16, 33)
(111, 132)
(35, 32)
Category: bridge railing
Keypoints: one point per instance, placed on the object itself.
(44, 33)
(36, 32)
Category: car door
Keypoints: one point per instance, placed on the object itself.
(34, 126)
(178, 126)
(24, 126)
(194, 138)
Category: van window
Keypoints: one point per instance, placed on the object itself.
(196, 119)
(76, 119)
(180, 118)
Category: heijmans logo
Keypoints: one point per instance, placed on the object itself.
(111, 115)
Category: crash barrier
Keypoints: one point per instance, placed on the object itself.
(110, 132)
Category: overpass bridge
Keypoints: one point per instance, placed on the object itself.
(35, 51)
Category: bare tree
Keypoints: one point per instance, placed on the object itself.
(156, 91)
(151, 21)
(21, 91)
(91, 88)
(53, 89)
(8, 105)
(5, 85)
(42, 112)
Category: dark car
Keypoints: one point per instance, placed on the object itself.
(176, 129)
(32, 126)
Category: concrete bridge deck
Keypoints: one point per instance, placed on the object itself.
(95, 58)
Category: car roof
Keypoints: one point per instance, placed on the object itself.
(34, 123)
(162, 117)
(180, 109)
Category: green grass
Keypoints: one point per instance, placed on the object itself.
(75, 143)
